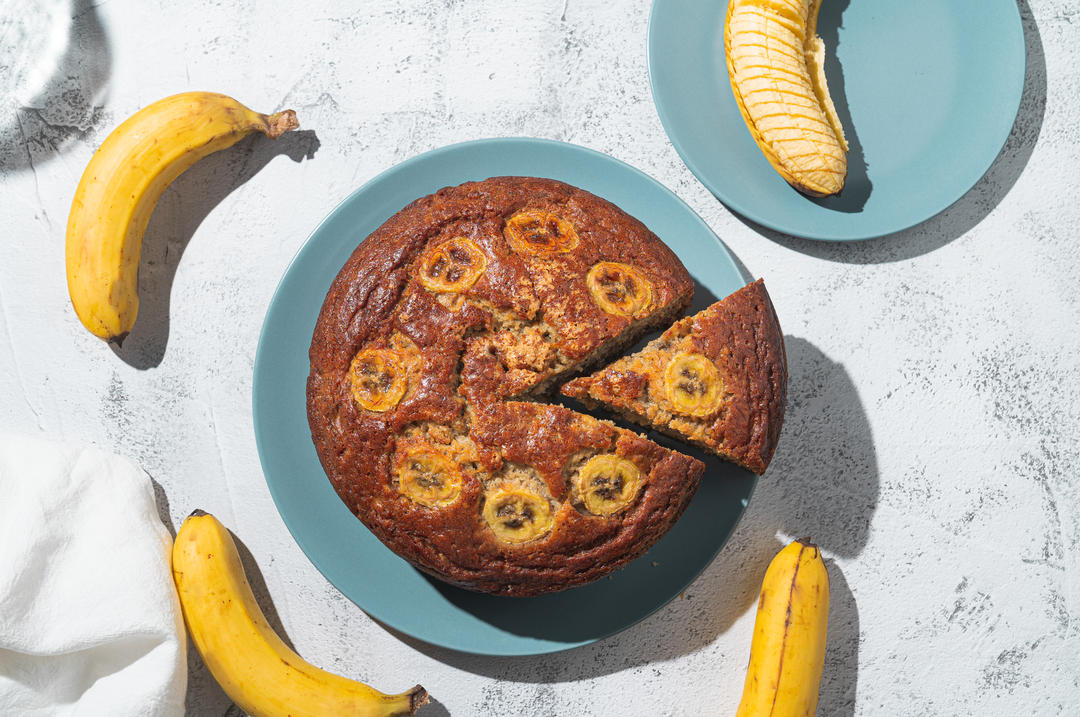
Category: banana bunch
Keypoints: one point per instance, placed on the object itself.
(787, 653)
(775, 61)
(253, 665)
(122, 184)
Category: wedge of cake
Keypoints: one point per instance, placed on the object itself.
(717, 379)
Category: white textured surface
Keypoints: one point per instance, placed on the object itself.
(931, 439)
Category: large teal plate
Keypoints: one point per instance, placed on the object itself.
(351, 558)
(927, 91)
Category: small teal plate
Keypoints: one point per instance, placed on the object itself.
(927, 92)
(351, 558)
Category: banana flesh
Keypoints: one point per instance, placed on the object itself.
(379, 378)
(517, 515)
(254, 666)
(123, 182)
(775, 61)
(608, 484)
(787, 653)
(618, 289)
(694, 385)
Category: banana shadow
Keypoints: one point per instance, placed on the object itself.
(840, 677)
(974, 206)
(179, 213)
(67, 109)
(204, 694)
(857, 186)
(823, 483)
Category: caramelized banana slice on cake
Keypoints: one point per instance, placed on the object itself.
(607, 484)
(694, 386)
(517, 515)
(427, 476)
(618, 288)
(453, 266)
(532, 231)
(379, 378)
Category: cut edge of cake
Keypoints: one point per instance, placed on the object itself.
(716, 380)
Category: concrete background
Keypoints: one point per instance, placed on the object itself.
(931, 438)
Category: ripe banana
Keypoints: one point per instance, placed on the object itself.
(253, 665)
(775, 61)
(122, 184)
(787, 653)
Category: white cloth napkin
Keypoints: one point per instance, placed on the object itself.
(90, 623)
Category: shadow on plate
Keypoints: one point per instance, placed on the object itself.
(857, 186)
(597, 610)
(823, 483)
(972, 207)
(179, 212)
(64, 110)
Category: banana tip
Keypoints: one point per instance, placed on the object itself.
(419, 698)
(281, 122)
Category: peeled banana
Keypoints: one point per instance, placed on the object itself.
(787, 653)
(253, 665)
(775, 61)
(122, 184)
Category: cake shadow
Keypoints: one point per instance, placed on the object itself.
(823, 483)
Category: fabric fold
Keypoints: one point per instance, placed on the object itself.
(90, 623)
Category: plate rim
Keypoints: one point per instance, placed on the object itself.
(535, 646)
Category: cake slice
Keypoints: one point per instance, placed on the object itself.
(717, 379)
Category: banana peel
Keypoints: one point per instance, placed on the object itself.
(787, 652)
(253, 665)
(122, 184)
(775, 62)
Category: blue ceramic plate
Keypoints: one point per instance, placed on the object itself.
(385, 586)
(927, 91)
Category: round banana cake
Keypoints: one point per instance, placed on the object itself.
(436, 346)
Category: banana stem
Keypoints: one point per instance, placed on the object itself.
(281, 122)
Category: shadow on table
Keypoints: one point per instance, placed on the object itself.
(823, 483)
(970, 209)
(64, 110)
(179, 212)
(839, 679)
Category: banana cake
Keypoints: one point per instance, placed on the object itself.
(717, 379)
(434, 349)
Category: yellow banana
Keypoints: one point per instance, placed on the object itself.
(787, 653)
(253, 665)
(775, 61)
(122, 184)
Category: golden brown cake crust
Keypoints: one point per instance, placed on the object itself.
(465, 362)
(741, 335)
